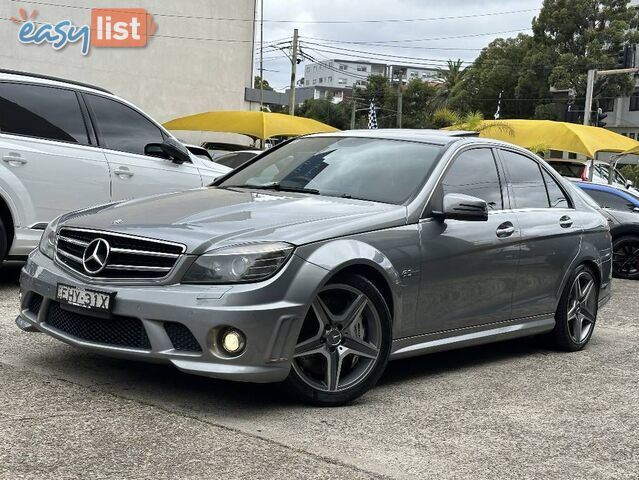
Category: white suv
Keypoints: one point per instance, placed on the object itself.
(66, 145)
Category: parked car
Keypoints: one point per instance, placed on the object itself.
(217, 149)
(66, 145)
(579, 170)
(321, 260)
(622, 209)
(201, 152)
(237, 159)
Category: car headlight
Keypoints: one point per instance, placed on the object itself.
(49, 238)
(239, 264)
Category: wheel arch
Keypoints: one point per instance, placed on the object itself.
(624, 230)
(8, 221)
(346, 256)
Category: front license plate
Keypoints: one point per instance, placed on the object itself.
(82, 297)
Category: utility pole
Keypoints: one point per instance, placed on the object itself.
(261, 55)
(399, 99)
(353, 110)
(291, 98)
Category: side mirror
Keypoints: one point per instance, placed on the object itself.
(457, 206)
(171, 149)
(630, 183)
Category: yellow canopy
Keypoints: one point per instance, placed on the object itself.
(261, 125)
(567, 137)
(632, 151)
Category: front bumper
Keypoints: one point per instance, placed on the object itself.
(269, 313)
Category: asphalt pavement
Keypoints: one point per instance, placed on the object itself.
(509, 410)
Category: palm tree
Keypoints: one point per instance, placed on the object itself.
(449, 79)
(471, 121)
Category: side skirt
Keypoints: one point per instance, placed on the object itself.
(467, 337)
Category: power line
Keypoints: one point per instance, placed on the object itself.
(413, 40)
(201, 17)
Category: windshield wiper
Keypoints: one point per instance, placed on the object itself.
(279, 188)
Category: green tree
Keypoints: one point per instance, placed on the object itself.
(569, 37)
(265, 85)
(586, 34)
(325, 111)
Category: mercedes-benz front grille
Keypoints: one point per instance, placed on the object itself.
(109, 255)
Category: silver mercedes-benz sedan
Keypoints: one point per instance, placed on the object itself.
(326, 257)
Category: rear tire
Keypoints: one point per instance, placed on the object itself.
(577, 311)
(344, 343)
(625, 255)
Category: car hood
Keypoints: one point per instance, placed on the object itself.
(208, 218)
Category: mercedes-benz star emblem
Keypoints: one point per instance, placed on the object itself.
(96, 256)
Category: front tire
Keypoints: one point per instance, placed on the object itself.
(625, 257)
(344, 343)
(577, 311)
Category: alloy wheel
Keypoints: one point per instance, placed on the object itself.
(340, 340)
(625, 258)
(582, 307)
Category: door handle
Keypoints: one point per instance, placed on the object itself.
(504, 230)
(123, 172)
(565, 222)
(14, 160)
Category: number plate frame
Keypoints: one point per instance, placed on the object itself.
(89, 299)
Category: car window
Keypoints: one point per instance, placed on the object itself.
(610, 200)
(555, 193)
(121, 127)
(526, 181)
(234, 160)
(42, 112)
(568, 169)
(389, 171)
(474, 173)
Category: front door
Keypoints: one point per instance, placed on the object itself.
(468, 267)
(124, 132)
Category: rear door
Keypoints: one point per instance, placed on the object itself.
(468, 267)
(50, 160)
(123, 132)
(550, 233)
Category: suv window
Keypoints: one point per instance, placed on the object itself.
(42, 112)
(474, 172)
(555, 193)
(121, 127)
(526, 181)
(234, 160)
(610, 200)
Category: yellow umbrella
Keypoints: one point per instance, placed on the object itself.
(632, 151)
(567, 137)
(261, 125)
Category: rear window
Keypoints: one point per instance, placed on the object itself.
(568, 169)
(42, 112)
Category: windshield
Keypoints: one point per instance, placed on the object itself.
(387, 171)
(568, 169)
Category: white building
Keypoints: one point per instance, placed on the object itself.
(341, 73)
(195, 59)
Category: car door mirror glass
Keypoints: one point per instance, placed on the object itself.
(457, 206)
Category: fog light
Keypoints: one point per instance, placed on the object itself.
(233, 341)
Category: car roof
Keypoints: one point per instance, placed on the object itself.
(48, 80)
(620, 192)
(437, 137)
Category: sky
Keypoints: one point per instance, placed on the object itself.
(419, 31)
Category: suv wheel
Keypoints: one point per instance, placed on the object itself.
(577, 311)
(344, 343)
(625, 257)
